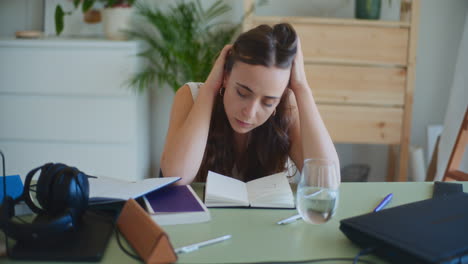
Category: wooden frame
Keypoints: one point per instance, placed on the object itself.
(452, 172)
(362, 75)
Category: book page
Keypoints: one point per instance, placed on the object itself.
(271, 191)
(225, 191)
(105, 187)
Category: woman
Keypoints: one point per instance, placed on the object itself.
(254, 111)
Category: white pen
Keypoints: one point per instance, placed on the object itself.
(196, 246)
(289, 219)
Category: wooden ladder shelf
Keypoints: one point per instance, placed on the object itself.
(452, 172)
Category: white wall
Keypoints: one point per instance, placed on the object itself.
(441, 27)
(18, 15)
(458, 103)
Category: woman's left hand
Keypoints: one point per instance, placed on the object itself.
(298, 77)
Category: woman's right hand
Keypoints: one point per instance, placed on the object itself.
(298, 76)
(216, 77)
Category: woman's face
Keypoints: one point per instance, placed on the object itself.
(252, 94)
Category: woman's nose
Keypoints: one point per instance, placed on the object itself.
(249, 110)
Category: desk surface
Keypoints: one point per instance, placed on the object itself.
(257, 237)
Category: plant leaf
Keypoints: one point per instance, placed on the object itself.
(110, 3)
(59, 14)
(87, 4)
(76, 3)
(182, 42)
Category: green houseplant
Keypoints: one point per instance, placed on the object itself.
(181, 42)
(368, 9)
(85, 8)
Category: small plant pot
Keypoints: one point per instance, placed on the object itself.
(405, 11)
(115, 21)
(92, 16)
(368, 9)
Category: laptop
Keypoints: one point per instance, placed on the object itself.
(428, 231)
(87, 244)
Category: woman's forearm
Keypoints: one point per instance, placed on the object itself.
(316, 141)
(184, 149)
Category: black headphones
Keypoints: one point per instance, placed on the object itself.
(62, 193)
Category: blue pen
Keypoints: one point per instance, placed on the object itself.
(384, 202)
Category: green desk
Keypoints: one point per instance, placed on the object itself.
(257, 237)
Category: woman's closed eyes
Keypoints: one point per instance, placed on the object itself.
(241, 94)
(268, 102)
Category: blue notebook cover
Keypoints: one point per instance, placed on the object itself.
(173, 199)
(173, 205)
(14, 186)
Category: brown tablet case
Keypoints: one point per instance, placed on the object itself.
(145, 236)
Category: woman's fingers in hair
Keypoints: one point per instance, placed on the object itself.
(222, 55)
(298, 76)
(299, 54)
(225, 50)
(216, 76)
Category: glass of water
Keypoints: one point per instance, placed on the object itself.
(318, 190)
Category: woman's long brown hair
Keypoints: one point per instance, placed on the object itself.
(267, 145)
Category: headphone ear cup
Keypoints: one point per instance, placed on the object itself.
(79, 192)
(45, 186)
(69, 189)
(58, 199)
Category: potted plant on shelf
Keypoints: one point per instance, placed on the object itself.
(368, 9)
(405, 10)
(181, 42)
(115, 16)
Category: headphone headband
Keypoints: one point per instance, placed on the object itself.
(26, 195)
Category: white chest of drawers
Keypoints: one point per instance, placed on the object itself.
(64, 100)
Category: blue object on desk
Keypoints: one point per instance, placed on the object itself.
(384, 202)
(14, 186)
(173, 199)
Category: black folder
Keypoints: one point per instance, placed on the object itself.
(428, 231)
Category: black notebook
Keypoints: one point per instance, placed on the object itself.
(429, 231)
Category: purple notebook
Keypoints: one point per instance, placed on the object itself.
(173, 199)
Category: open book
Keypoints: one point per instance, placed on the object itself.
(270, 192)
(176, 205)
(105, 189)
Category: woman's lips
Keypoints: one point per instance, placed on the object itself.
(243, 124)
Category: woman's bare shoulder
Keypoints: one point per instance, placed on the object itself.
(183, 98)
(184, 94)
(183, 103)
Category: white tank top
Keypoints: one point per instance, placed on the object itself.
(194, 87)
